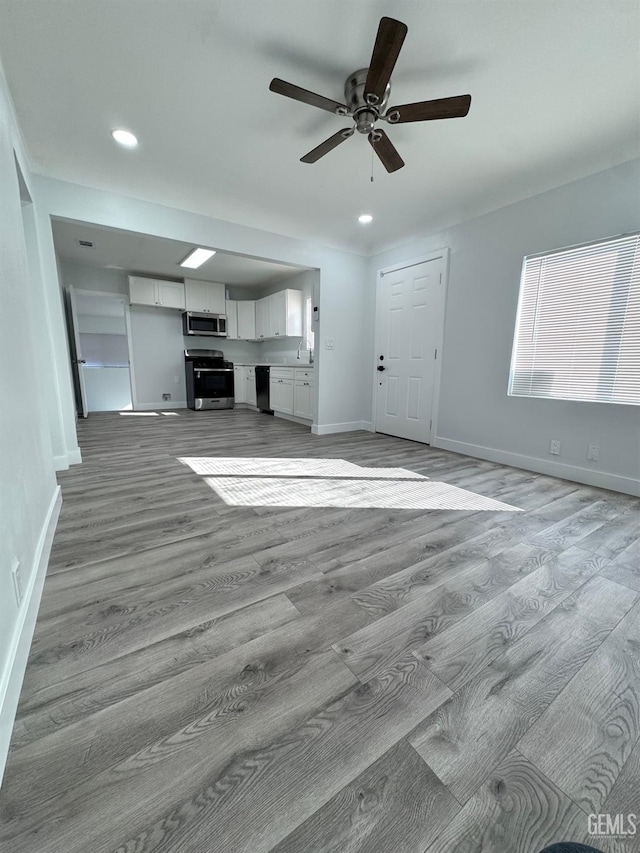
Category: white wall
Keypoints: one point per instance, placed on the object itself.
(343, 374)
(476, 416)
(29, 496)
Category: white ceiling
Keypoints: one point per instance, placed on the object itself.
(554, 84)
(141, 253)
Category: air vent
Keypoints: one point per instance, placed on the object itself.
(86, 244)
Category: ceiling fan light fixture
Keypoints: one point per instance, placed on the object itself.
(124, 138)
(196, 258)
(365, 218)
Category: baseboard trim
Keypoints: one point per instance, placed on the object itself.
(166, 406)
(589, 477)
(16, 663)
(293, 418)
(350, 426)
(72, 457)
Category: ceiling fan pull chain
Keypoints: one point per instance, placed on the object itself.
(372, 164)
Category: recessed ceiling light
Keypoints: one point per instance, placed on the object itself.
(365, 219)
(124, 138)
(196, 258)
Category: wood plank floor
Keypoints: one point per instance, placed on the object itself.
(251, 678)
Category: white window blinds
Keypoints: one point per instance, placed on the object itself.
(577, 331)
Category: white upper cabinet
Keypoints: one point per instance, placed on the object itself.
(204, 297)
(278, 314)
(246, 319)
(262, 319)
(157, 292)
(231, 310)
(285, 314)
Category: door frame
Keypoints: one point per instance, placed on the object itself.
(124, 298)
(413, 262)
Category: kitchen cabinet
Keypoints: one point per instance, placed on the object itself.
(250, 385)
(156, 292)
(281, 389)
(285, 314)
(238, 384)
(246, 310)
(262, 318)
(204, 297)
(277, 314)
(231, 310)
(303, 393)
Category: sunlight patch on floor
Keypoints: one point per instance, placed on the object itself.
(141, 414)
(239, 466)
(365, 494)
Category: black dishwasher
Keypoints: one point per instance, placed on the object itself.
(262, 389)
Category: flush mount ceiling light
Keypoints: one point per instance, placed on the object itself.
(196, 258)
(365, 219)
(124, 138)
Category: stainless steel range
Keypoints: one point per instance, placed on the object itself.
(209, 379)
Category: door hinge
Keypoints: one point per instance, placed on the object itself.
(435, 354)
(430, 424)
(440, 278)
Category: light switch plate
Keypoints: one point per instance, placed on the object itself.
(328, 343)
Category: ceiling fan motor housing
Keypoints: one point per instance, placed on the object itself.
(365, 114)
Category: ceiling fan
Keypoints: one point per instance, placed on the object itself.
(366, 94)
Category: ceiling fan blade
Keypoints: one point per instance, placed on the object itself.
(281, 87)
(385, 150)
(326, 146)
(429, 110)
(391, 34)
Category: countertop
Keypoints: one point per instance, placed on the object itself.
(264, 364)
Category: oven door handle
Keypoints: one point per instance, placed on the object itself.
(213, 369)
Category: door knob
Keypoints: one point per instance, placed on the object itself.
(380, 367)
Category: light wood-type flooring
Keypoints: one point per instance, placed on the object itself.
(210, 678)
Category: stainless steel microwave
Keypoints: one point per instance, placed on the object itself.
(204, 324)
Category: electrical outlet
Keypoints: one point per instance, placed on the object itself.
(16, 576)
(176, 379)
(593, 452)
(166, 397)
(328, 343)
(554, 446)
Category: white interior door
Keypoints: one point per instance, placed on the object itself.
(409, 327)
(75, 349)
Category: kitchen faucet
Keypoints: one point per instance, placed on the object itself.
(310, 351)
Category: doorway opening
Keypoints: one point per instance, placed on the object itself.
(98, 328)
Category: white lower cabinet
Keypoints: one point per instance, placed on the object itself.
(238, 384)
(281, 395)
(302, 399)
(250, 386)
(303, 387)
(281, 389)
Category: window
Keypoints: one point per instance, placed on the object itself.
(577, 331)
(308, 319)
